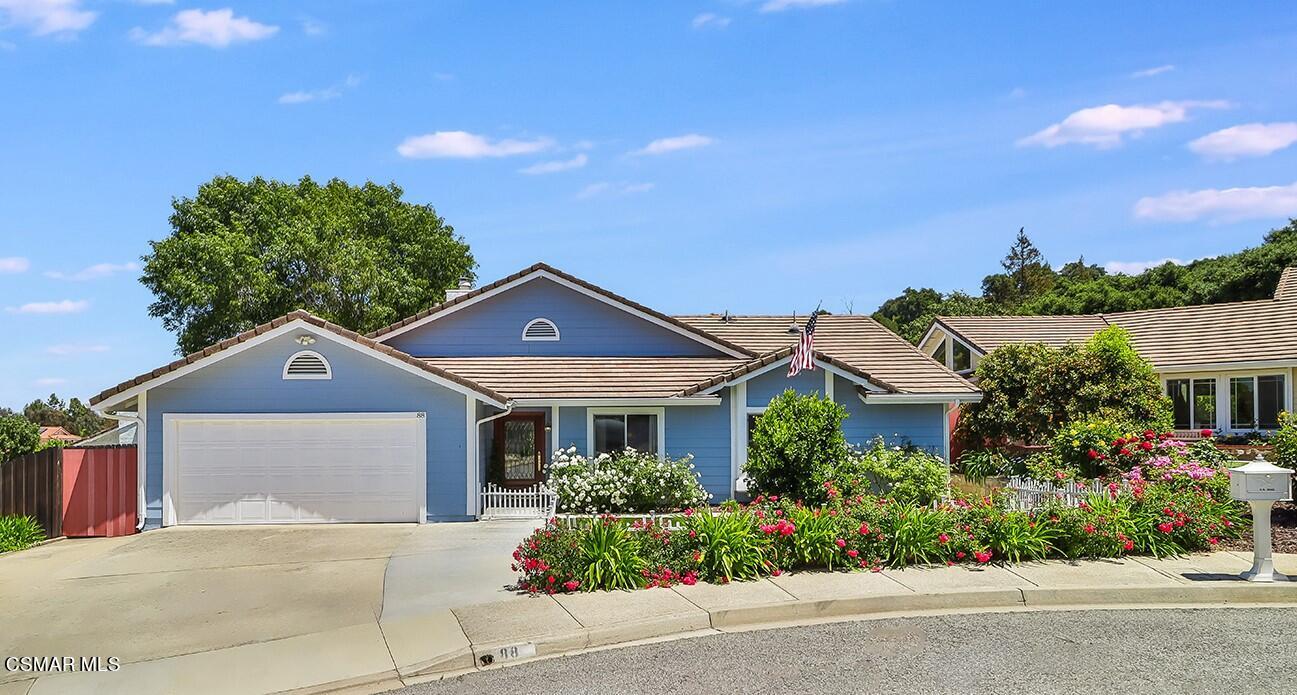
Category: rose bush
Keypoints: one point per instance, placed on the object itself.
(626, 482)
(1155, 510)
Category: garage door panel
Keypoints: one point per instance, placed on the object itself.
(297, 469)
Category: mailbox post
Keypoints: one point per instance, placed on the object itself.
(1260, 484)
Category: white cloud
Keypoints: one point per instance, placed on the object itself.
(672, 144)
(1137, 267)
(70, 349)
(66, 306)
(14, 264)
(94, 272)
(457, 144)
(44, 17)
(1152, 72)
(1104, 126)
(556, 166)
(604, 187)
(51, 381)
(214, 28)
(314, 27)
(331, 92)
(781, 5)
(710, 19)
(1250, 140)
(1220, 205)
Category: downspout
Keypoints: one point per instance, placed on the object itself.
(141, 465)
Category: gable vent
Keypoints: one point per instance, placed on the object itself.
(540, 329)
(307, 365)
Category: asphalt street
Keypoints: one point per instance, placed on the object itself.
(1218, 650)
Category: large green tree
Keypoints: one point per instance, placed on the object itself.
(241, 253)
(72, 416)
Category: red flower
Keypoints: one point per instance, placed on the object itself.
(1129, 545)
(841, 543)
(943, 538)
(571, 585)
(864, 529)
(1089, 528)
(1206, 433)
(1149, 434)
(982, 556)
(1092, 454)
(853, 553)
(689, 578)
(1118, 441)
(959, 555)
(1124, 451)
(1146, 446)
(1165, 527)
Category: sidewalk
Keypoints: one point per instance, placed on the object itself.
(415, 647)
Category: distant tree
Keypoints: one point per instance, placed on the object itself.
(72, 416)
(1026, 274)
(241, 253)
(18, 436)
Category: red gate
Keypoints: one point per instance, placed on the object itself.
(99, 491)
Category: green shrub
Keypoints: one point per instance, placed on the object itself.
(18, 437)
(1078, 446)
(796, 445)
(913, 534)
(19, 532)
(980, 464)
(626, 482)
(611, 557)
(903, 474)
(729, 546)
(814, 540)
(1285, 441)
(1030, 391)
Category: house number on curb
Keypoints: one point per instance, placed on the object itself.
(511, 652)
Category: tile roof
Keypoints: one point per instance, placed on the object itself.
(276, 323)
(545, 267)
(1250, 331)
(989, 332)
(586, 377)
(855, 343)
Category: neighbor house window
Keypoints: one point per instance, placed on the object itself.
(939, 354)
(1255, 401)
(961, 358)
(307, 364)
(1193, 402)
(612, 432)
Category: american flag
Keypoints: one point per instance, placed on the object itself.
(804, 353)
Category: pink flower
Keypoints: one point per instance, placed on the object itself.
(1165, 527)
(689, 511)
(853, 553)
(841, 543)
(1089, 528)
(864, 529)
(982, 556)
(774, 498)
(689, 578)
(959, 555)
(571, 585)
(943, 538)
(776, 572)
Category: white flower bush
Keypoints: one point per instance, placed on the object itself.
(627, 482)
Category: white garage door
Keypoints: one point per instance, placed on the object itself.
(283, 469)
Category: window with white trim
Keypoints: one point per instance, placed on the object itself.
(307, 364)
(540, 329)
(1255, 401)
(611, 432)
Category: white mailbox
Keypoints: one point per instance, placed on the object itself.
(1260, 480)
(1261, 483)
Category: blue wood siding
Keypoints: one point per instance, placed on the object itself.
(586, 327)
(704, 431)
(921, 424)
(251, 382)
(764, 387)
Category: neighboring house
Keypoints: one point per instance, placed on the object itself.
(1227, 367)
(302, 420)
(59, 434)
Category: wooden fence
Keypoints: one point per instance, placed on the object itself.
(32, 485)
(535, 502)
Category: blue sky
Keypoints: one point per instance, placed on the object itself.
(697, 156)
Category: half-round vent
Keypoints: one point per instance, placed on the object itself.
(307, 365)
(540, 329)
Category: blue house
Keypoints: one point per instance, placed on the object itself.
(301, 420)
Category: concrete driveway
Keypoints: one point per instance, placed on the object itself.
(185, 590)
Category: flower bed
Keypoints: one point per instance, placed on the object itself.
(1187, 512)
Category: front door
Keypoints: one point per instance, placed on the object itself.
(521, 436)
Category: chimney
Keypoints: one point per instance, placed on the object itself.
(465, 286)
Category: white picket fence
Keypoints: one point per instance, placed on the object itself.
(673, 520)
(1030, 494)
(535, 502)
